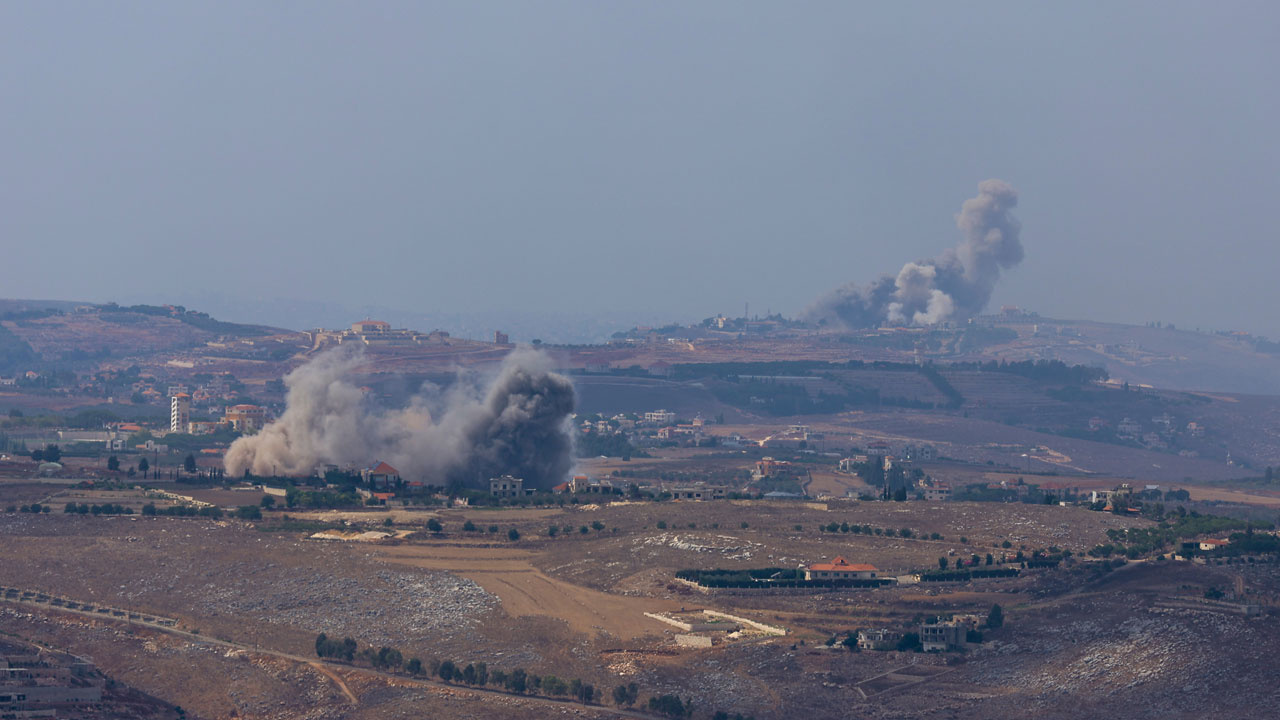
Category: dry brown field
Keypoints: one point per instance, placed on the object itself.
(251, 601)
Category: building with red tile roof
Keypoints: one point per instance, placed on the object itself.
(840, 569)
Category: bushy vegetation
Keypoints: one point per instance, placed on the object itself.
(761, 578)
(295, 497)
(845, 527)
(596, 444)
(965, 574)
(1137, 542)
(107, 509)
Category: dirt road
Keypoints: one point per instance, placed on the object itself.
(333, 670)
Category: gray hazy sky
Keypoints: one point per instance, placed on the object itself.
(669, 159)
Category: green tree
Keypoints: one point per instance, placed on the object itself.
(267, 502)
(626, 695)
(850, 641)
(189, 463)
(447, 670)
(942, 563)
(995, 618)
(910, 642)
(113, 463)
(553, 531)
(518, 680)
(143, 467)
(669, 706)
(513, 535)
(434, 525)
(414, 666)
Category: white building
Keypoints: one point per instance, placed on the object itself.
(660, 417)
(179, 413)
(508, 486)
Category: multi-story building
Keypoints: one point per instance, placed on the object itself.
(660, 417)
(180, 413)
(943, 636)
(878, 639)
(507, 486)
(370, 326)
(246, 418)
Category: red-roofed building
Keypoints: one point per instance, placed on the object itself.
(380, 475)
(1213, 543)
(840, 569)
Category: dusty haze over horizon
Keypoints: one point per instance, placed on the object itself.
(635, 160)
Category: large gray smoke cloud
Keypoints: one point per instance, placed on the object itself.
(517, 425)
(955, 285)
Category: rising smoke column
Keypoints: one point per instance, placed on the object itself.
(955, 285)
(518, 424)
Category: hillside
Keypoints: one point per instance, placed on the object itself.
(37, 334)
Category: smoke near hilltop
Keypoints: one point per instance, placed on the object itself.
(516, 424)
(955, 285)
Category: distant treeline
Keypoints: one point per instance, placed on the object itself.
(1045, 371)
(1048, 371)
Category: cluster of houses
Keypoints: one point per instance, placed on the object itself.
(649, 429)
(1158, 435)
(937, 636)
(242, 417)
(378, 333)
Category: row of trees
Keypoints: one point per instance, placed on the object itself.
(554, 530)
(107, 509)
(435, 527)
(844, 527)
(480, 675)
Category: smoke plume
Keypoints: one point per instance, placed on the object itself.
(516, 425)
(955, 285)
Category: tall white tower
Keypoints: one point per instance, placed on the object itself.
(180, 413)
